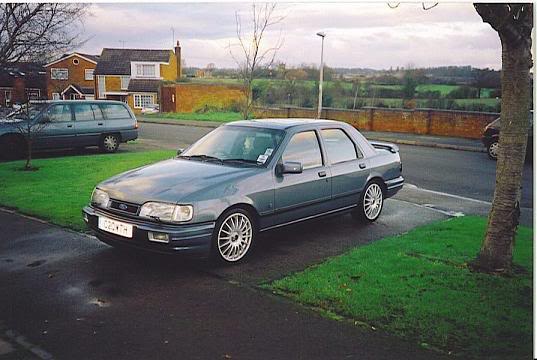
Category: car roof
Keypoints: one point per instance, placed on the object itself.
(76, 101)
(283, 124)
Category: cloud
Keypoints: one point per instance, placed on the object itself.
(358, 34)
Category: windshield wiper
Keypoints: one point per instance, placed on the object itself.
(243, 161)
(202, 157)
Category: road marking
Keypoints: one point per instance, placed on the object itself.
(412, 186)
(449, 213)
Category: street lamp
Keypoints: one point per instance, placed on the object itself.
(320, 105)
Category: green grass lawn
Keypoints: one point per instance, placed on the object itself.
(222, 116)
(418, 286)
(62, 186)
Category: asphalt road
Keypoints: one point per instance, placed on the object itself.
(462, 173)
(72, 297)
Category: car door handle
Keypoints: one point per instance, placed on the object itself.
(362, 166)
(322, 173)
(99, 124)
(69, 126)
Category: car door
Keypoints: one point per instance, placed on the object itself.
(298, 196)
(60, 130)
(88, 123)
(348, 167)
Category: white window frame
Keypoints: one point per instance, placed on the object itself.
(88, 74)
(125, 79)
(55, 96)
(139, 103)
(136, 65)
(101, 80)
(54, 73)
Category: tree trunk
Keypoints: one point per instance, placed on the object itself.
(28, 164)
(497, 248)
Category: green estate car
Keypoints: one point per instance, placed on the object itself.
(67, 124)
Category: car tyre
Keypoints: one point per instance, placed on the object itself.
(109, 143)
(12, 147)
(233, 236)
(371, 202)
(492, 150)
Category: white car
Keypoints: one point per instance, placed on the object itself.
(150, 109)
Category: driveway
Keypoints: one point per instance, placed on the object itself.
(74, 297)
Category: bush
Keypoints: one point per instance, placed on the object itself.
(463, 92)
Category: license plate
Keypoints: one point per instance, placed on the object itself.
(115, 227)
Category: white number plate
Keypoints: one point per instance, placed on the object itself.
(115, 227)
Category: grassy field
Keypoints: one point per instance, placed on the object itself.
(62, 186)
(221, 116)
(418, 287)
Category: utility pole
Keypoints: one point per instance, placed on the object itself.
(320, 104)
(122, 42)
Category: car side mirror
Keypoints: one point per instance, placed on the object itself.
(289, 167)
(180, 151)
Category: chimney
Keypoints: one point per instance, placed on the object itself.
(178, 57)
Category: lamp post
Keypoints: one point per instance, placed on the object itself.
(320, 105)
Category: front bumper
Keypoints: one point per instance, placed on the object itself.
(193, 239)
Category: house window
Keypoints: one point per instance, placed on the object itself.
(32, 94)
(73, 96)
(102, 86)
(141, 100)
(76, 61)
(88, 74)
(145, 70)
(59, 74)
(7, 97)
(55, 96)
(125, 82)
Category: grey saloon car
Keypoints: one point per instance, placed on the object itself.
(68, 124)
(244, 178)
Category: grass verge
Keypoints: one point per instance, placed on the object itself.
(224, 116)
(418, 286)
(62, 186)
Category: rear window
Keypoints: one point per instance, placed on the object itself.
(115, 111)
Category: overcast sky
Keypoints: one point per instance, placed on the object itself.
(367, 35)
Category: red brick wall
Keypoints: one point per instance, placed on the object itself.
(464, 124)
(188, 97)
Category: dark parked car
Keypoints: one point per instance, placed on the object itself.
(69, 124)
(491, 138)
(243, 178)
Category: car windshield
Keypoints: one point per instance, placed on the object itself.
(236, 144)
(32, 110)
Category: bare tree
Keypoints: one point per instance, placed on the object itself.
(514, 24)
(24, 122)
(253, 55)
(38, 31)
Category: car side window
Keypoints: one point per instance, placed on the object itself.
(59, 113)
(83, 112)
(97, 113)
(115, 111)
(304, 148)
(339, 147)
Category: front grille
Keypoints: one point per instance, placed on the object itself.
(124, 207)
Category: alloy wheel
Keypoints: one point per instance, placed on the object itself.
(373, 201)
(493, 150)
(234, 237)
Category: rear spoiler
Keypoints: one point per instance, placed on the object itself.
(385, 146)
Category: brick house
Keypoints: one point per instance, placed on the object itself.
(71, 77)
(21, 82)
(134, 76)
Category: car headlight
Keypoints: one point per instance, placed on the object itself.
(100, 198)
(167, 212)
